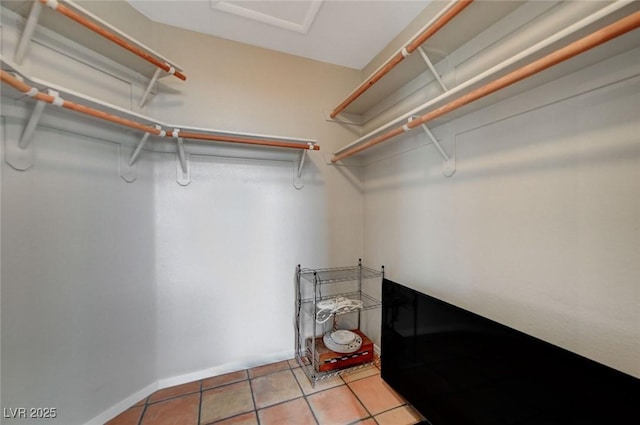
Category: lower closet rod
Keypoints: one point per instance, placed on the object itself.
(245, 140)
(34, 93)
(588, 42)
(25, 88)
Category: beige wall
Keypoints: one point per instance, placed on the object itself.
(241, 225)
(539, 226)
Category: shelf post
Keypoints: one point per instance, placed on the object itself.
(313, 341)
(298, 312)
(359, 286)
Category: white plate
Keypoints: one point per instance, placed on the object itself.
(342, 341)
(343, 337)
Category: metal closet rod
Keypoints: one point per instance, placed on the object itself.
(446, 15)
(588, 42)
(30, 91)
(55, 5)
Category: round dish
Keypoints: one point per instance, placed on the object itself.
(342, 341)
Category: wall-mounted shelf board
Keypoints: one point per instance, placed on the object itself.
(147, 127)
(579, 27)
(478, 16)
(67, 28)
(67, 94)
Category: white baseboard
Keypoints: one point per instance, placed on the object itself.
(246, 363)
(123, 405)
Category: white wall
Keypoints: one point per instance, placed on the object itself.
(78, 287)
(78, 292)
(539, 228)
(110, 289)
(228, 244)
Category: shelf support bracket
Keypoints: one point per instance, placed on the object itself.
(27, 33)
(432, 69)
(448, 161)
(143, 100)
(30, 128)
(19, 151)
(298, 166)
(136, 153)
(183, 166)
(128, 169)
(128, 163)
(18, 158)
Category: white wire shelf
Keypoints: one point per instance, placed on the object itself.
(338, 274)
(368, 303)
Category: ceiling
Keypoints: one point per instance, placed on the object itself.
(343, 32)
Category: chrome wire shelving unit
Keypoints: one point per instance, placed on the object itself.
(314, 286)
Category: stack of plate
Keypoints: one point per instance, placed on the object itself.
(342, 341)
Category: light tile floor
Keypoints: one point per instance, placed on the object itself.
(274, 394)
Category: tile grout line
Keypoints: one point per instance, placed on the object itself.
(304, 396)
(144, 410)
(172, 397)
(403, 404)
(253, 398)
(226, 384)
(281, 402)
(217, 421)
(313, 414)
(255, 410)
(193, 392)
(360, 401)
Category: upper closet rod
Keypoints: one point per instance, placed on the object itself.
(55, 5)
(25, 88)
(439, 21)
(595, 39)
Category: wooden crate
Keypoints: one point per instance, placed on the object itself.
(328, 360)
